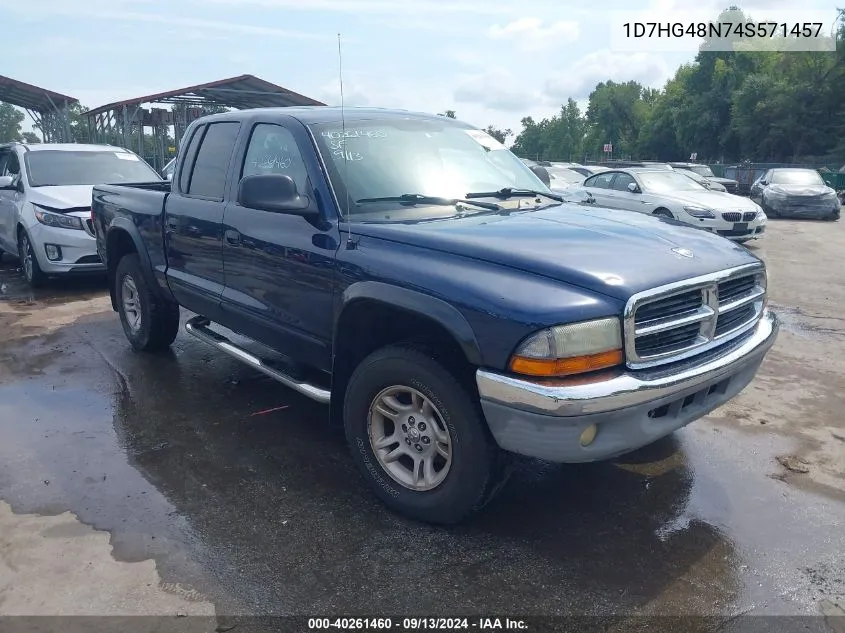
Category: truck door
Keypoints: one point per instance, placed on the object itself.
(279, 268)
(194, 217)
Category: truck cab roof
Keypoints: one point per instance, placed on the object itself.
(325, 114)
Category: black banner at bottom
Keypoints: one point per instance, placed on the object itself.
(417, 624)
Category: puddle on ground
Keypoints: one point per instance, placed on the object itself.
(15, 290)
(819, 327)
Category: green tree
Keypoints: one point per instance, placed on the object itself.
(31, 137)
(10, 123)
(615, 114)
(449, 114)
(498, 134)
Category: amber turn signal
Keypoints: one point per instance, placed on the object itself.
(565, 366)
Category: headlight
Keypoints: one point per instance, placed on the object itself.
(699, 212)
(576, 348)
(57, 220)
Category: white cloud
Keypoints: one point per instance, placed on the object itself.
(497, 89)
(583, 75)
(533, 34)
(354, 94)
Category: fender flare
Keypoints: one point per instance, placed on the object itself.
(439, 311)
(125, 225)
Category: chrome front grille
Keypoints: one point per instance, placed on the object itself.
(748, 216)
(680, 320)
(732, 216)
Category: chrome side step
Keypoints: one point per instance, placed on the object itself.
(198, 327)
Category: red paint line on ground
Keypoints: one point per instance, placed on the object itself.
(269, 410)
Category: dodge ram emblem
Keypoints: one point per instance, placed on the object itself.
(683, 252)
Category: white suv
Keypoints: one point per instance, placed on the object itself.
(45, 203)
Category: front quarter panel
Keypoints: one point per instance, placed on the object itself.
(500, 305)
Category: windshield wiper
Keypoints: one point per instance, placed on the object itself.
(416, 198)
(509, 192)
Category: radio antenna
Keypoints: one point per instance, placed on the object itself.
(349, 243)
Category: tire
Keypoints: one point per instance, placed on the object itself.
(154, 323)
(477, 467)
(663, 213)
(834, 216)
(35, 277)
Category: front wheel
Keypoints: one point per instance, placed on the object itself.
(35, 277)
(149, 322)
(419, 437)
(663, 213)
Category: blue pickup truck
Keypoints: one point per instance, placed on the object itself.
(413, 274)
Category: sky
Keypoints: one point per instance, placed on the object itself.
(492, 61)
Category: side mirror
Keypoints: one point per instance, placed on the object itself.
(273, 192)
(633, 188)
(7, 182)
(542, 173)
(763, 183)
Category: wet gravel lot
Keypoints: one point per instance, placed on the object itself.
(243, 492)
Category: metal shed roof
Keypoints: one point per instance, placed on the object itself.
(244, 91)
(32, 97)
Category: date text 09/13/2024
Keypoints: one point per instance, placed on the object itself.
(417, 624)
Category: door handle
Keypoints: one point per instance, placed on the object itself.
(233, 238)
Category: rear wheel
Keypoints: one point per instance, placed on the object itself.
(35, 277)
(149, 322)
(419, 438)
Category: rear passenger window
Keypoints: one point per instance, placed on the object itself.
(273, 150)
(188, 161)
(601, 181)
(208, 179)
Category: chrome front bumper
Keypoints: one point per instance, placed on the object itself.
(630, 409)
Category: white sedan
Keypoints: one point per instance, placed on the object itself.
(673, 195)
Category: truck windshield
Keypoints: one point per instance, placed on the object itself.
(54, 168)
(391, 158)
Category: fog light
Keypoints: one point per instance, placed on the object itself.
(54, 253)
(588, 435)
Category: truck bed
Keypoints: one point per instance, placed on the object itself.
(137, 205)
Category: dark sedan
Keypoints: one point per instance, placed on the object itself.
(795, 192)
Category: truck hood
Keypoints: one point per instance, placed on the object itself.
(64, 197)
(616, 253)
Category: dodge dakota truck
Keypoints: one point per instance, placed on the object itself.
(411, 273)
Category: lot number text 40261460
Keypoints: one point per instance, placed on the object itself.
(416, 624)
